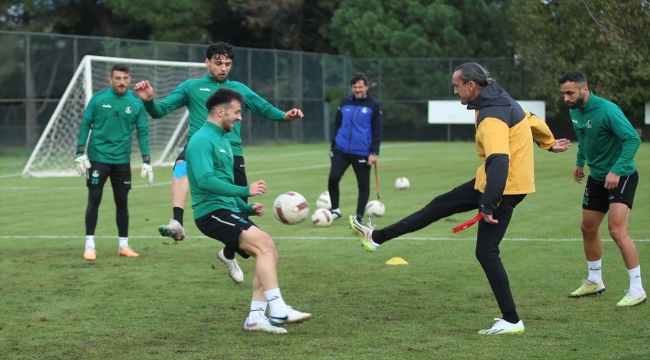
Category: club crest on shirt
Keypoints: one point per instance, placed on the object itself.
(204, 89)
(95, 173)
(364, 110)
(128, 110)
(589, 124)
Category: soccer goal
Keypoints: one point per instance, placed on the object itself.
(54, 153)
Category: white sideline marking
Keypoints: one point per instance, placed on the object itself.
(325, 152)
(309, 167)
(9, 175)
(303, 238)
(169, 182)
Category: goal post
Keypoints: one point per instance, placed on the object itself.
(54, 152)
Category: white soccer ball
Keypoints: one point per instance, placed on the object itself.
(375, 208)
(323, 201)
(290, 208)
(322, 218)
(402, 183)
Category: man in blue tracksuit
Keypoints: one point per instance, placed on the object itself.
(355, 141)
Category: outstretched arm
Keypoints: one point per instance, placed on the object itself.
(263, 108)
(543, 136)
(176, 99)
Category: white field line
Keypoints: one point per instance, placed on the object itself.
(390, 146)
(307, 238)
(325, 151)
(164, 183)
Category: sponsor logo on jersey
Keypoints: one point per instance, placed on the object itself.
(574, 120)
(107, 106)
(128, 110)
(204, 89)
(589, 124)
(95, 173)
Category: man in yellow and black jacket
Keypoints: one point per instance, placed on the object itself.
(505, 137)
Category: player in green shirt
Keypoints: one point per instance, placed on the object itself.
(193, 94)
(110, 118)
(221, 214)
(607, 143)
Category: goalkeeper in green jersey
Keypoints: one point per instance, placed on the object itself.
(193, 94)
(109, 119)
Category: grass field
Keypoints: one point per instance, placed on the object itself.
(176, 301)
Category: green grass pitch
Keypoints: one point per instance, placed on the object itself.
(176, 301)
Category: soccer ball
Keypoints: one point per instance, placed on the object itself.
(375, 208)
(323, 201)
(290, 208)
(322, 218)
(402, 183)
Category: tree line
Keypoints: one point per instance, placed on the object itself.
(606, 39)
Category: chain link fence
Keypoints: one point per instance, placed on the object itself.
(35, 69)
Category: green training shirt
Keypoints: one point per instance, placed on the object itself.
(112, 119)
(193, 94)
(209, 159)
(606, 139)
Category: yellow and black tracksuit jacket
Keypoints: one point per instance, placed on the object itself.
(504, 140)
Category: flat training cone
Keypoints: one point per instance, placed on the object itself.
(396, 261)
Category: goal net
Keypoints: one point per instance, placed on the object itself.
(54, 153)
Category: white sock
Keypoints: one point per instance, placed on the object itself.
(595, 271)
(124, 242)
(635, 278)
(276, 302)
(258, 308)
(90, 241)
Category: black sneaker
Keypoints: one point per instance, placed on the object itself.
(360, 219)
(336, 214)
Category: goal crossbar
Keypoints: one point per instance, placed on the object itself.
(54, 151)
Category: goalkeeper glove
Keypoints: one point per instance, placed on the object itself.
(81, 162)
(147, 168)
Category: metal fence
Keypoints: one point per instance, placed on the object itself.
(35, 69)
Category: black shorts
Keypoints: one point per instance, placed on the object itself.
(225, 226)
(597, 198)
(239, 170)
(120, 174)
